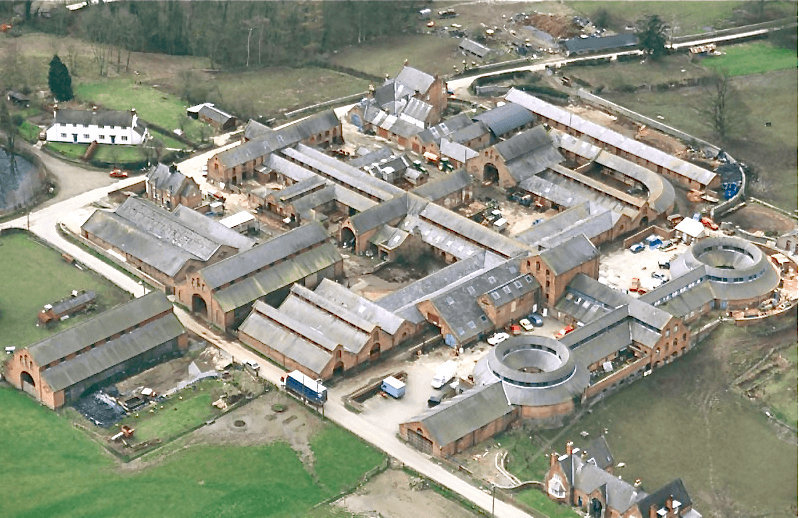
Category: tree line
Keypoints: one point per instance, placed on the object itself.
(229, 34)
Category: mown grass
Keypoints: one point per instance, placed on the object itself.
(115, 154)
(29, 132)
(684, 421)
(752, 58)
(771, 150)
(333, 463)
(151, 104)
(34, 275)
(73, 151)
(65, 474)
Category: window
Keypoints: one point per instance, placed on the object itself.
(86, 135)
(547, 284)
(101, 137)
(63, 135)
(668, 332)
(124, 137)
(101, 127)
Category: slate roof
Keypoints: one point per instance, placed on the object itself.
(274, 329)
(617, 140)
(161, 178)
(66, 305)
(123, 118)
(354, 303)
(465, 413)
(444, 129)
(212, 228)
(473, 47)
(468, 133)
(276, 277)
(381, 214)
(104, 325)
(300, 188)
(334, 322)
(289, 169)
(442, 187)
(674, 489)
(255, 129)
(314, 199)
(551, 191)
(591, 44)
(267, 253)
(403, 301)
(415, 79)
(506, 118)
(119, 350)
(388, 237)
(371, 157)
(598, 452)
(215, 114)
(619, 494)
(523, 143)
(569, 254)
(561, 227)
(455, 151)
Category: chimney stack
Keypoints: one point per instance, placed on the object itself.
(55, 109)
(133, 111)
(553, 459)
(94, 110)
(569, 447)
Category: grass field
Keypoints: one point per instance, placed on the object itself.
(29, 132)
(770, 97)
(34, 275)
(541, 503)
(73, 151)
(271, 91)
(432, 54)
(683, 421)
(752, 58)
(66, 474)
(684, 17)
(151, 104)
(112, 154)
(675, 67)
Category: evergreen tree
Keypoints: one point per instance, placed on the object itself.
(651, 32)
(59, 80)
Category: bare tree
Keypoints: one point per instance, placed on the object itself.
(722, 107)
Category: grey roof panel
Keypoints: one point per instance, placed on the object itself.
(506, 118)
(577, 45)
(212, 229)
(104, 325)
(475, 48)
(523, 143)
(465, 413)
(444, 186)
(415, 79)
(569, 254)
(123, 119)
(353, 302)
(264, 254)
(128, 346)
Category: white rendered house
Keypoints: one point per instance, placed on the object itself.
(103, 126)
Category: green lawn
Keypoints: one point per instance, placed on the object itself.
(116, 154)
(752, 58)
(541, 502)
(271, 91)
(74, 151)
(34, 275)
(29, 132)
(334, 464)
(65, 474)
(769, 97)
(672, 68)
(152, 104)
(178, 415)
(684, 421)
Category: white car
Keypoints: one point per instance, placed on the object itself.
(497, 338)
(526, 325)
(253, 365)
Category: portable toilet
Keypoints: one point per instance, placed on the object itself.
(393, 387)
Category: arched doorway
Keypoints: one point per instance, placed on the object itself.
(596, 509)
(338, 368)
(27, 378)
(644, 221)
(199, 306)
(490, 173)
(374, 352)
(347, 237)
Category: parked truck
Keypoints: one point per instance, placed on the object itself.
(306, 388)
(393, 387)
(444, 374)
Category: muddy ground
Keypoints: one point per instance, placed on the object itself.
(755, 217)
(396, 494)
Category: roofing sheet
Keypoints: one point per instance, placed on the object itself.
(101, 358)
(442, 187)
(280, 338)
(456, 151)
(300, 188)
(569, 254)
(289, 169)
(353, 302)
(123, 119)
(415, 79)
(212, 228)
(65, 305)
(104, 325)
(276, 277)
(523, 143)
(475, 48)
(264, 254)
(465, 413)
(593, 130)
(379, 215)
(577, 45)
(506, 118)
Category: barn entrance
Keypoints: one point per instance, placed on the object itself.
(347, 237)
(199, 306)
(27, 383)
(420, 442)
(338, 369)
(374, 352)
(490, 173)
(595, 509)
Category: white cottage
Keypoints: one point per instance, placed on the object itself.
(103, 126)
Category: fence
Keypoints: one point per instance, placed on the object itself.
(620, 110)
(334, 102)
(775, 24)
